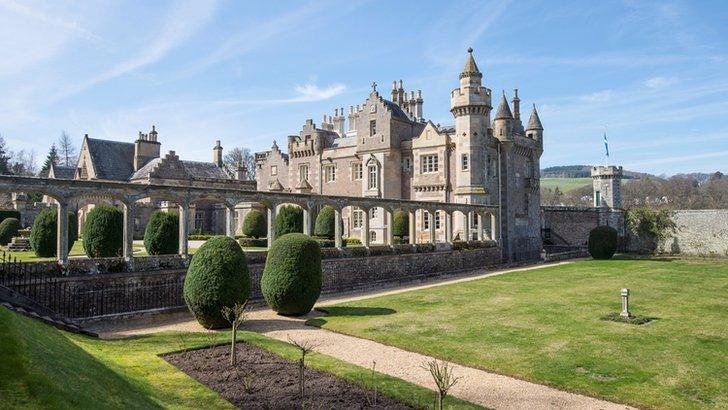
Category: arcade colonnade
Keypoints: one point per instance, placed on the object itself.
(483, 218)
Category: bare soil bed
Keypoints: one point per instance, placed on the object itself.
(263, 380)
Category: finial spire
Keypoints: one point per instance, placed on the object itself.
(374, 86)
(534, 122)
(504, 110)
(470, 69)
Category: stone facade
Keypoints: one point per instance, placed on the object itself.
(698, 232)
(607, 183)
(386, 148)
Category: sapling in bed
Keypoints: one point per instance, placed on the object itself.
(304, 347)
(235, 315)
(444, 379)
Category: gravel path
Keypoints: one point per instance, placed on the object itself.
(477, 386)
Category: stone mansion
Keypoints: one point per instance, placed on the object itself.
(386, 148)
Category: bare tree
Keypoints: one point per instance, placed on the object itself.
(66, 150)
(235, 316)
(243, 156)
(23, 163)
(444, 379)
(305, 348)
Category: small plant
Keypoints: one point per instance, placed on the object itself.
(444, 379)
(370, 386)
(304, 347)
(235, 315)
(248, 378)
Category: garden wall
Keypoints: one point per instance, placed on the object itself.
(699, 233)
(570, 225)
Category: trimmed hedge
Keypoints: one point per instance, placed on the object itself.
(603, 242)
(43, 235)
(289, 220)
(292, 278)
(325, 226)
(161, 236)
(9, 228)
(4, 214)
(217, 277)
(254, 225)
(352, 241)
(103, 232)
(253, 242)
(400, 226)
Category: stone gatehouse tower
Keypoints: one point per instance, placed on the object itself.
(386, 148)
(607, 182)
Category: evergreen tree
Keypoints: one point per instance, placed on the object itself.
(51, 159)
(4, 158)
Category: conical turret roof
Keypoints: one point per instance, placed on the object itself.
(504, 110)
(534, 123)
(470, 69)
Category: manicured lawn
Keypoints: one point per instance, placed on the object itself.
(544, 325)
(43, 367)
(565, 184)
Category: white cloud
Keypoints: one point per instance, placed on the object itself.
(599, 96)
(660, 82)
(311, 92)
(47, 18)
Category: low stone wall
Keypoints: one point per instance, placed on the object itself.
(570, 225)
(699, 233)
(93, 296)
(93, 266)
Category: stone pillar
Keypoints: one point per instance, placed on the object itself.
(412, 222)
(128, 248)
(448, 227)
(466, 230)
(487, 234)
(62, 238)
(337, 228)
(307, 221)
(272, 212)
(389, 238)
(493, 227)
(184, 216)
(230, 221)
(479, 218)
(431, 218)
(365, 228)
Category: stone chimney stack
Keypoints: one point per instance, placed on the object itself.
(217, 154)
(241, 172)
(146, 148)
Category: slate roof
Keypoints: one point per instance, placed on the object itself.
(470, 69)
(193, 169)
(504, 110)
(397, 112)
(112, 159)
(534, 123)
(448, 129)
(64, 172)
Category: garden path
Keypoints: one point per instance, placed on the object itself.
(477, 386)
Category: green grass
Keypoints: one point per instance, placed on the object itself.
(545, 325)
(43, 367)
(565, 184)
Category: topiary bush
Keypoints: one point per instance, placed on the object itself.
(325, 223)
(103, 232)
(9, 228)
(4, 214)
(602, 242)
(217, 277)
(253, 242)
(43, 234)
(292, 278)
(161, 236)
(254, 225)
(289, 220)
(400, 227)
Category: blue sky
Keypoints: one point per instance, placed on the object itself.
(655, 74)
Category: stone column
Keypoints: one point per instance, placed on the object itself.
(272, 212)
(337, 228)
(128, 248)
(389, 238)
(62, 238)
(365, 228)
(466, 228)
(479, 218)
(431, 218)
(230, 221)
(448, 227)
(493, 227)
(184, 216)
(412, 222)
(307, 221)
(487, 235)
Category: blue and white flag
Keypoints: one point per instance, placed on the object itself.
(606, 144)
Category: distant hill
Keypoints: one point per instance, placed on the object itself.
(582, 171)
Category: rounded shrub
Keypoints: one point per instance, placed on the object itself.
(603, 242)
(216, 278)
(325, 226)
(291, 281)
(43, 234)
(400, 227)
(161, 236)
(254, 225)
(289, 220)
(103, 232)
(9, 228)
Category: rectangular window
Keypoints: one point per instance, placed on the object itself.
(406, 164)
(437, 220)
(274, 170)
(597, 199)
(464, 162)
(303, 172)
(357, 218)
(373, 179)
(373, 213)
(428, 164)
(372, 127)
(330, 173)
(356, 171)
(425, 220)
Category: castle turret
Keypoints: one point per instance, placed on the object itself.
(607, 182)
(534, 129)
(217, 154)
(503, 121)
(146, 148)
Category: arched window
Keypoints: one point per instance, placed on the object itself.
(372, 236)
